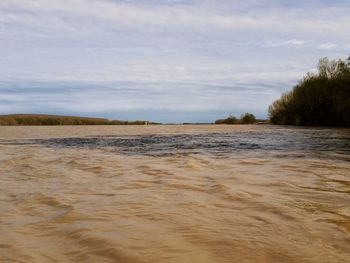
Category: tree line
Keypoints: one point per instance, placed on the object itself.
(246, 118)
(33, 119)
(319, 99)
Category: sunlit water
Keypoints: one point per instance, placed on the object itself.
(174, 194)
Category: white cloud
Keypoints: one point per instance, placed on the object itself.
(285, 42)
(327, 46)
(296, 42)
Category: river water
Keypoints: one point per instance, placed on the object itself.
(174, 194)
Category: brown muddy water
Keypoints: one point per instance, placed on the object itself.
(174, 194)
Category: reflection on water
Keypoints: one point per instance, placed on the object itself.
(174, 194)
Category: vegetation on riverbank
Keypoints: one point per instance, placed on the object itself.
(320, 99)
(246, 118)
(38, 119)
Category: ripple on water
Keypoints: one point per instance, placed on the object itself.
(299, 141)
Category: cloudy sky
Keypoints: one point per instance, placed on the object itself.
(162, 60)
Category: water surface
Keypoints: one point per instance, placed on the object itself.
(174, 194)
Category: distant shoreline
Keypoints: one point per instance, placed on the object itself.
(59, 120)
